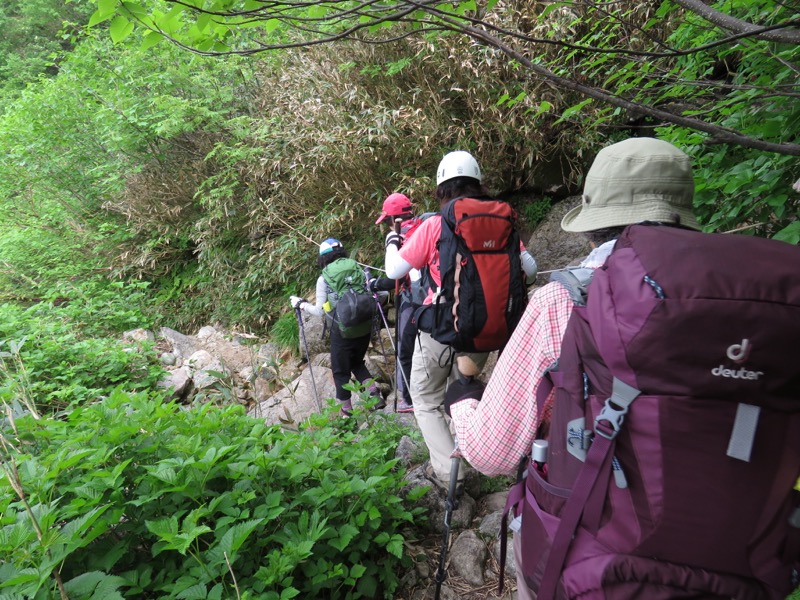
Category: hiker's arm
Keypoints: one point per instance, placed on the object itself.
(321, 298)
(496, 432)
(529, 266)
(380, 284)
(417, 251)
(396, 266)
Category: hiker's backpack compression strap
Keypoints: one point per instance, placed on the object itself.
(583, 498)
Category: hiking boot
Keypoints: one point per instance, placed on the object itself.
(404, 407)
(443, 486)
(375, 393)
(345, 409)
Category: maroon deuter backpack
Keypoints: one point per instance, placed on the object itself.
(674, 442)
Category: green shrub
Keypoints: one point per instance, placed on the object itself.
(286, 332)
(66, 348)
(491, 485)
(142, 498)
(533, 213)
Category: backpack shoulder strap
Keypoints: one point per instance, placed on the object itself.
(448, 213)
(326, 275)
(575, 280)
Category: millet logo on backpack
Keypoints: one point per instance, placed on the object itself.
(738, 353)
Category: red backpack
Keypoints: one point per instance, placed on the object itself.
(674, 442)
(483, 292)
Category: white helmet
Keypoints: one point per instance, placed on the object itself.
(457, 164)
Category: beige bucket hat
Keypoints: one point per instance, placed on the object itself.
(639, 179)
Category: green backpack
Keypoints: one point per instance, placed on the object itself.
(352, 306)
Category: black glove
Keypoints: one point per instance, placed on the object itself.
(393, 239)
(380, 284)
(461, 390)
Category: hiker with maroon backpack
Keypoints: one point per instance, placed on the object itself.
(398, 214)
(657, 385)
(458, 177)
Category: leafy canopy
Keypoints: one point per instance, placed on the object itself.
(595, 37)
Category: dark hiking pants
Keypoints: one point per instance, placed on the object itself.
(406, 338)
(347, 357)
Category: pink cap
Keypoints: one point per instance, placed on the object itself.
(394, 206)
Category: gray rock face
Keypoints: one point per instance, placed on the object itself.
(297, 400)
(139, 335)
(552, 247)
(210, 360)
(179, 381)
(312, 332)
(182, 345)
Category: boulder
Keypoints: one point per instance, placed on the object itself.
(182, 345)
(179, 381)
(551, 246)
(297, 400)
(468, 558)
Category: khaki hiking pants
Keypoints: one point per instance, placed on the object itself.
(433, 366)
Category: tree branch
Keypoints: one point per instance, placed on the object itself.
(341, 21)
(785, 36)
(721, 135)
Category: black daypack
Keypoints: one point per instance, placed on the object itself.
(483, 292)
(353, 307)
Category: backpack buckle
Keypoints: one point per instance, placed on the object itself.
(611, 416)
(615, 409)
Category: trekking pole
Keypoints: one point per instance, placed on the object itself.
(450, 505)
(385, 324)
(394, 349)
(308, 357)
(391, 341)
(398, 222)
(397, 365)
(375, 297)
(368, 275)
(467, 370)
